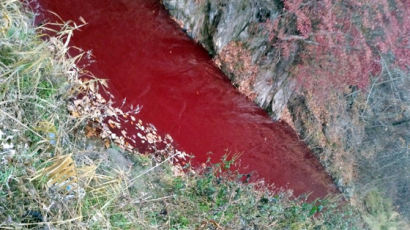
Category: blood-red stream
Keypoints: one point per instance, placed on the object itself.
(151, 62)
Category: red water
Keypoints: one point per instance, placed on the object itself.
(151, 62)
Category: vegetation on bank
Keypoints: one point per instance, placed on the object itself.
(354, 71)
(52, 176)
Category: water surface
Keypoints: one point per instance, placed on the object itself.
(152, 63)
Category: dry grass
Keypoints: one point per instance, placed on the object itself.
(41, 184)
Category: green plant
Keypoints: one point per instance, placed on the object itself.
(379, 213)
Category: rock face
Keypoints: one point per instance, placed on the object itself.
(362, 138)
(236, 32)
